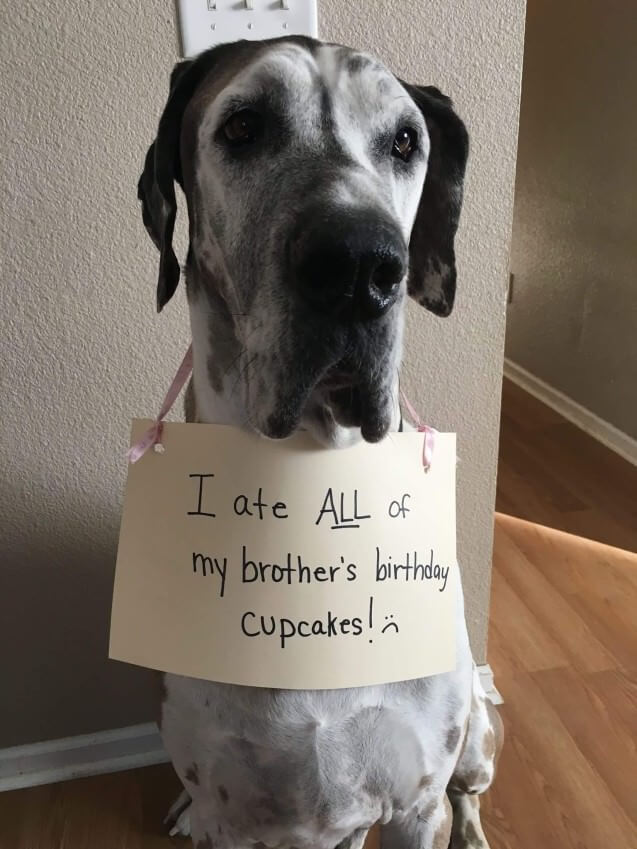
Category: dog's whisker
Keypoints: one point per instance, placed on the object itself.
(242, 373)
(242, 352)
(236, 359)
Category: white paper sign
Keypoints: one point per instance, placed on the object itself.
(287, 565)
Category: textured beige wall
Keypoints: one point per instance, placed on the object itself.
(573, 320)
(82, 349)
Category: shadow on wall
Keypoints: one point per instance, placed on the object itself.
(54, 625)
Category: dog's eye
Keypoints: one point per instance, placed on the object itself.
(405, 143)
(243, 127)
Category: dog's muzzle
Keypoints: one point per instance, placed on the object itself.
(349, 266)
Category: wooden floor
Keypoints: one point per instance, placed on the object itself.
(563, 645)
(552, 473)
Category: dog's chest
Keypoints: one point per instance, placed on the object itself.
(275, 764)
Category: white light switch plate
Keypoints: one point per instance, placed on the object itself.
(205, 23)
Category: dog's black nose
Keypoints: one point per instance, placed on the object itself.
(351, 267)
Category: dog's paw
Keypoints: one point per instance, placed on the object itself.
(177, 820)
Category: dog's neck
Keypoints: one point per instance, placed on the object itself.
(216, 394)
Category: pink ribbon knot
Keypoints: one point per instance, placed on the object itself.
(154, 433)
(429, 440)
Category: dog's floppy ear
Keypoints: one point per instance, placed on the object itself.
(432, 278)
(156, 187)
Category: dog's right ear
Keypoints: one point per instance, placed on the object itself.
(162, 168)
(156, 187)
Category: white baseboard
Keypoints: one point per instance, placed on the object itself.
(603, 431)
(78, 757)
(106, 751)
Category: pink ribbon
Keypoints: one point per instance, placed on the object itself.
(429, 433)
(153, 435)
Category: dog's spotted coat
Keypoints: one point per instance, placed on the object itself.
(341, 165)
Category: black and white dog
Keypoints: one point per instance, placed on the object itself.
(321, 190)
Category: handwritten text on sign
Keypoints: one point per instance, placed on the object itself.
(286, 564)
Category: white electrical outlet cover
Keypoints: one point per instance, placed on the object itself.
(205, 23)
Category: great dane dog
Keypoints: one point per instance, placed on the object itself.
(321, 191)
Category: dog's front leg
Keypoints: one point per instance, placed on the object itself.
(427, 829)
(475, 770)
(209, 832)
(177, 820)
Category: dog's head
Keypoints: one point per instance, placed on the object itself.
(321, 190)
